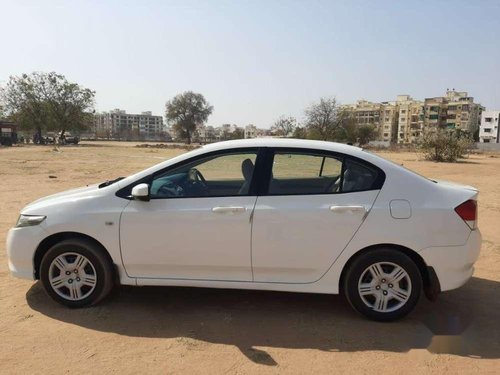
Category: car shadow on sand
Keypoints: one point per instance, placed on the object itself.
(464, 322)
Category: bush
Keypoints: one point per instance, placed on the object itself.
(446, 146)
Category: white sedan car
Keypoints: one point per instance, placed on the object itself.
(267, 214)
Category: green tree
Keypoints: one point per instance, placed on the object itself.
(323, 119)
(475, 135)
(48, 101)
(185, 112)
(366, 133)
(238, 134)
(285, 126)
(348, 131)
(300, 133)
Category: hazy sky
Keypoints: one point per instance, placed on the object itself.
(256, 60)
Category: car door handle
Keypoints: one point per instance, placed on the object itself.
(348, 209)
(228, 210)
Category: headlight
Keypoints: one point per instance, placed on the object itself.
(29, 220)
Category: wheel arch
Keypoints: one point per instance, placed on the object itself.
(430, 282)
(55, 238)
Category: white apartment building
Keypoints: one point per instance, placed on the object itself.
(118, 124)
(251, 131)
(489, 131)
(228, 128)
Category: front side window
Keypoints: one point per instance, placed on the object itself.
(296, 173)
(215, 176)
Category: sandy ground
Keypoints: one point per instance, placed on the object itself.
(173, 330)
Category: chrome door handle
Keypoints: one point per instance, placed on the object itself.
(348, 209)
(228, 210)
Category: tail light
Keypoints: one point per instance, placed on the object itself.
(468, 212)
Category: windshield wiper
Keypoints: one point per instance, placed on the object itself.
(110, 182)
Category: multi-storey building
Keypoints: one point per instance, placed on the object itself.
(406, 120)
(118, 124)
(455, 110)
(462, 112)
(409, 120)
(251, 131)
(434, 113)
(388, 122)
(489, 132)
(380, 115)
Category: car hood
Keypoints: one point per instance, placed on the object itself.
(36, 207)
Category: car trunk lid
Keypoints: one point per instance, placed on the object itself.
(455, 185)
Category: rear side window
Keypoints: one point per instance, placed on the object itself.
(293, 165)
(358, 177)
(304, 173)
(298, 173)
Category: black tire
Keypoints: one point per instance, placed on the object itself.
(97, 257)
(358, 269)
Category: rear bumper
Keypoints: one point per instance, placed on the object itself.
(454, 265)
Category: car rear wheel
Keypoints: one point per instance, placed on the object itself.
(383, 284)
(76, 273)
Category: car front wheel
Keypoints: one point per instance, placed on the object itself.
(383, 284)
(76, 273)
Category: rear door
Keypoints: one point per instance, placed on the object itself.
(312, 206)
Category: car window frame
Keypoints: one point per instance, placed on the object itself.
(264, 183)
(125, 192)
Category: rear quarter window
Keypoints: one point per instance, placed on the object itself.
(359, 176)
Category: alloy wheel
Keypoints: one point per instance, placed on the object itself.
(384, 287)
(72, 276)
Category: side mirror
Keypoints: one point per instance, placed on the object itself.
(141, 192)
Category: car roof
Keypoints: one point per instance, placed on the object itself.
(308, 144)
(282, 142)
(385, 165)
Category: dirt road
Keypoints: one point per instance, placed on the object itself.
(173, 330)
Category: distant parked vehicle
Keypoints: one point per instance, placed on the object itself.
(68, 138)
(8, 134)
(58, 138)
(267, 214)
(47, 139)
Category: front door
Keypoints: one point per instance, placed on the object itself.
(314, 205)
(197, 223)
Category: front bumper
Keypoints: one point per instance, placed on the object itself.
(21, 246)
(454, 265)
